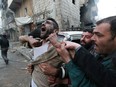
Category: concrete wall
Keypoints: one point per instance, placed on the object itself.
(64, 11)
(43, 9)
(70, 13)
(21, 11)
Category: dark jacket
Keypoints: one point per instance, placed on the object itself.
(78, 77)
(102, 72)
(4, 43)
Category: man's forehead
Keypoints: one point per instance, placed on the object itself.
(87, 33)
(102, 27)
(49, 21)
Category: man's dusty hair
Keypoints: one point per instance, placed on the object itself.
(54, 23)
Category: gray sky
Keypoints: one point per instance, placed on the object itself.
(106, 8)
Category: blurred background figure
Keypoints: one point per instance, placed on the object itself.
(86, 38)
(4, 43)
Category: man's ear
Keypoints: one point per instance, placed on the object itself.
(56, 31)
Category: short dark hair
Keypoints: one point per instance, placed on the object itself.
(88, 30)
(54, 23)
(112, 21)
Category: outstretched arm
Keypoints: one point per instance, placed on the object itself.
(23, 38)
(32, 41)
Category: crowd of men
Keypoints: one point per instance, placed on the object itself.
(90, 63)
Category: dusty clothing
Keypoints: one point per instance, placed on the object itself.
(51, 57)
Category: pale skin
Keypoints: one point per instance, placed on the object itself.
(32, 41)
(63, 50)
(47, 67)
(29, 68)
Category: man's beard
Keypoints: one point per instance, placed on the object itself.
(46, 35)
(87, 45)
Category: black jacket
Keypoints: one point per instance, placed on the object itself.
(103, 76)
(4, 43)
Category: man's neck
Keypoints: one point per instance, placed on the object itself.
(44, 41)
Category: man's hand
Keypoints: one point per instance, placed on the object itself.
(71, 45)
(51, 80)
(65, 49)
(32, 41)
(30, 68)
(23, 38)
(63, 52)
(53, 39)
(48, 69)
(54, 80)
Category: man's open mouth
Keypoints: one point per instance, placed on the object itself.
(43, 29)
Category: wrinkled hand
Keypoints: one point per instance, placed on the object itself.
(63, 52)
(71, 45)
(65, 49)
(30, 68)
(48, 69)
(53, 39)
